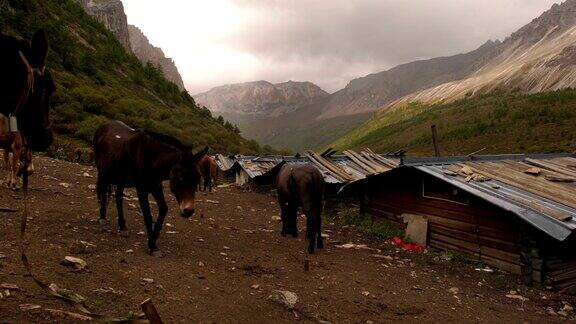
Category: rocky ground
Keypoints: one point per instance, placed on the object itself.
(226, 263)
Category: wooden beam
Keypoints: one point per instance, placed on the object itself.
(507, 176)
(329, 166)
(151, 312)
(361, 163)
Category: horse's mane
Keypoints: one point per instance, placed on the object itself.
(166, 139)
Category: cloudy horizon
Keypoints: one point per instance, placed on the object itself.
(328, 43)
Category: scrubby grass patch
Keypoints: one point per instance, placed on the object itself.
(375, 227)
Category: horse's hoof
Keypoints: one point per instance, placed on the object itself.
(157, 253)
(123, 233)
(102, 222)
(310, 250)
(320, 245)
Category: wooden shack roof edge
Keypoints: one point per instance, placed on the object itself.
(554, 218)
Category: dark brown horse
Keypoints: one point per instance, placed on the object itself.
(209, 171)
(301, 186)
(127, 158)
(26, 87)
(15, 156)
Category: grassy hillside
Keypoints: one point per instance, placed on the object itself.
(501, 122)
(98, 80)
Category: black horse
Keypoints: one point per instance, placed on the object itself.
(26, 87)
(301, 186)
(127, 158)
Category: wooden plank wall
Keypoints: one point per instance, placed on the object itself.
(477, 229)
(560, 266)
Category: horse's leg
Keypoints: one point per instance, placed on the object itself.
(145, 207)
(8, 167)
(120, 209)
(284, 215)
(102, 194)
(14, 171)
(158, 194)
(311, 229)
(320, 240)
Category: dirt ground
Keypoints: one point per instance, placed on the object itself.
(223, 264)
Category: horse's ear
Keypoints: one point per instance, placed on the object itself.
(194, 158)
(39, 49)
(201, 154)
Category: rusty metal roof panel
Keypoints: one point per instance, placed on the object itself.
(533, 208)
(224, 162)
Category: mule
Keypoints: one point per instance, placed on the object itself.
(209, 172)
(26, 87)
(127, 158)
(301, 186)
(15, 156)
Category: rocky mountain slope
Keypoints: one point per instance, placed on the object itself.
(322, 121)
(147, 52)
(371, 92)
(98, 80)
(111, 14)
(539, 57)
(520, 100)
(260, 97)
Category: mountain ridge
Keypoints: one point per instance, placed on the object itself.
(260, 97)
(111, 13)
(520, 100)
(98, 80)
(146, 52)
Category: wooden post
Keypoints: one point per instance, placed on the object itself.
(435, 141)
(151, 312)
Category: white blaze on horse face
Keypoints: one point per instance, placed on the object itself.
(187, 201)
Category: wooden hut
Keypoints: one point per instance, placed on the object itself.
(515, 213)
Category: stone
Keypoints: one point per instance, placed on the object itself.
(285, 298)
(75, 262)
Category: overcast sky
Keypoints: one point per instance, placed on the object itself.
(328, 42)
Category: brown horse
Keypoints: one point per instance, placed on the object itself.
(301, 186)
(209, 172)
(15, 156)
(127, 158)
(26, 87)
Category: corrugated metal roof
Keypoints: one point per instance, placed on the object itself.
(336, 169)
(224, 162)
(515, 199)
(540, 189)
(340, 169)
(257, 166)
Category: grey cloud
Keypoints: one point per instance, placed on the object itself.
(331, 41)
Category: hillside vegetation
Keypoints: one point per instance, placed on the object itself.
(98, 80)
(499, 122)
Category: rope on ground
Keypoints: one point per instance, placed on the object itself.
(52, 289)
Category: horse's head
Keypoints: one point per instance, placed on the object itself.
(184, 180)
(33, 116)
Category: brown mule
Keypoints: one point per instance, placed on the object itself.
(301, 186)
(127, 158)
(209, 170)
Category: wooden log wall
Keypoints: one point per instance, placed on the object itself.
(475, 228)
(560, 265)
